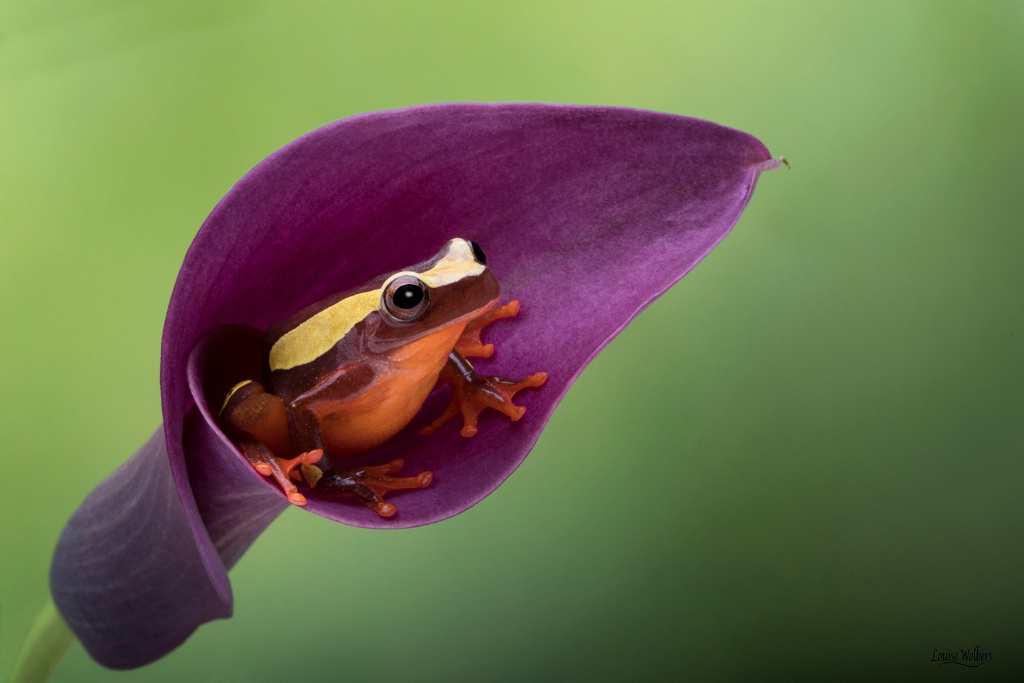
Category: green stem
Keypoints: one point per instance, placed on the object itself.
(47, 641)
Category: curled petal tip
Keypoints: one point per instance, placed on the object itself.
(772, 164)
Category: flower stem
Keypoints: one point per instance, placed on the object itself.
(47, 641)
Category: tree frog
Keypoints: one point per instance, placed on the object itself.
(347, 373)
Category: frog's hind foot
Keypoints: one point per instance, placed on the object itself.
(282, 470)
(369, 483)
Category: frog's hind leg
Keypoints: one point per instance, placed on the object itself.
(256, 422)
(369, 483)
(281, 469)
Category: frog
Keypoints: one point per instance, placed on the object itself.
(344, 375)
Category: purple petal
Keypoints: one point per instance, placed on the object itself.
(586, 214)
(128, 566)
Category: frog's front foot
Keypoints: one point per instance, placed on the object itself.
(472, 393)
(369, 483)
(469, 343)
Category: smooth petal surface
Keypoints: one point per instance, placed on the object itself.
(127, 565)
(587, 214)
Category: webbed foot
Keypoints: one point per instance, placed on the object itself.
(470, 344)
(369, 483)
(281, 469)
(472, 393)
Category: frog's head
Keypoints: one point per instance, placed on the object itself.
(392, 310)
(453, 286)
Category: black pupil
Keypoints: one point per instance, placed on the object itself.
(478, 253)
(408, 296)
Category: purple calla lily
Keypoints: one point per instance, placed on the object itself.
(587, 214)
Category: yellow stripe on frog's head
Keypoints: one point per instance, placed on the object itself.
(318, 334)
(455, 262)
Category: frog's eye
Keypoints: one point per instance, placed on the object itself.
(405, 299)
(478, 253)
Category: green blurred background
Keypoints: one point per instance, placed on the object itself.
(821, 426)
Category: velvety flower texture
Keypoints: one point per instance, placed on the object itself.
(587, 214)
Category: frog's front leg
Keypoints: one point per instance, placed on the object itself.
(472, 393)
(470, 344)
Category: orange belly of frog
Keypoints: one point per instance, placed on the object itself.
(361, 422)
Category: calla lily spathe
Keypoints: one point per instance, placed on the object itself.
(587, 214)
